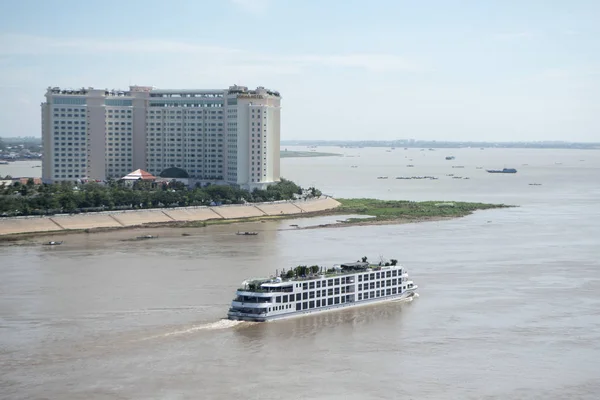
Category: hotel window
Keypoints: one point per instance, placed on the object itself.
(318, 303)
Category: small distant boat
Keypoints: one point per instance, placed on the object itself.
(382, 177)
(502, 171)
(53, 243)
(186, 234)
(458, 166)
(478, 167)
(450, 158)
(247, 233)
(294, 225)
(410, 165)
(535, 184)
(146, 237)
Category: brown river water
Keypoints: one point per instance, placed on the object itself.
(509, 303)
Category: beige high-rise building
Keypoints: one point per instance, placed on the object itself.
(218, 136)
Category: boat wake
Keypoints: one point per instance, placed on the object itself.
(211, 326)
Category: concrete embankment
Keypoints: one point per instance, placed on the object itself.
(120, 219)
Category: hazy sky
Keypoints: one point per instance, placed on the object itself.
(444, 70)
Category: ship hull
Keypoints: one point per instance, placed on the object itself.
(237, 316)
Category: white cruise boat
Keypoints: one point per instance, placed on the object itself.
(306, 290)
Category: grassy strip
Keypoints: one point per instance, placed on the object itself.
(389, 210)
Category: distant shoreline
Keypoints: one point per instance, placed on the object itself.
(306, 154)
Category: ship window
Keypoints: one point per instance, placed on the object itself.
(298, 296)
(394, 282)
(337, 281)
(360, 296)
(394, 290)
(318, 284)
(394, 273)
(388, 274)
(318, 293)
(388, 292)
(311, 304)
(304, 295)
(360, 286)
(337, 290)
(343, 299)
(388, 282)
(330, 282)
(311, 295)
(360, 278)
(304, 286)
(366, 295)
(343, 281)
(298, 307)
(318, 303)
(269, 308)
(305, 305)
(311, 285)
(372, 276)
(378, 275)
(343, 289)
(372, 294)
(337, 300)
(329, 292)
(323, 292)
(285, 298)
(330, 301)
(278, 299)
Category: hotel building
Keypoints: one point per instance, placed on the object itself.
(219, 136)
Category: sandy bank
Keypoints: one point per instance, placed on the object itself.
(131, 218)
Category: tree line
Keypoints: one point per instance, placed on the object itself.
(70, 197)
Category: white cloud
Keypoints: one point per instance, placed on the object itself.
(15, 44)
(196, 55)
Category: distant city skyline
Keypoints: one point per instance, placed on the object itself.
(474, 71)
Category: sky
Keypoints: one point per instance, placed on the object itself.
(481, 70)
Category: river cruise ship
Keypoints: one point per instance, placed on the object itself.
(306, 290)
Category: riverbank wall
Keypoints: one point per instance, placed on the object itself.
(132, 218)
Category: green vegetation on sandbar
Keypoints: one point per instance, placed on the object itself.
(389, 210)
(307, 154)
